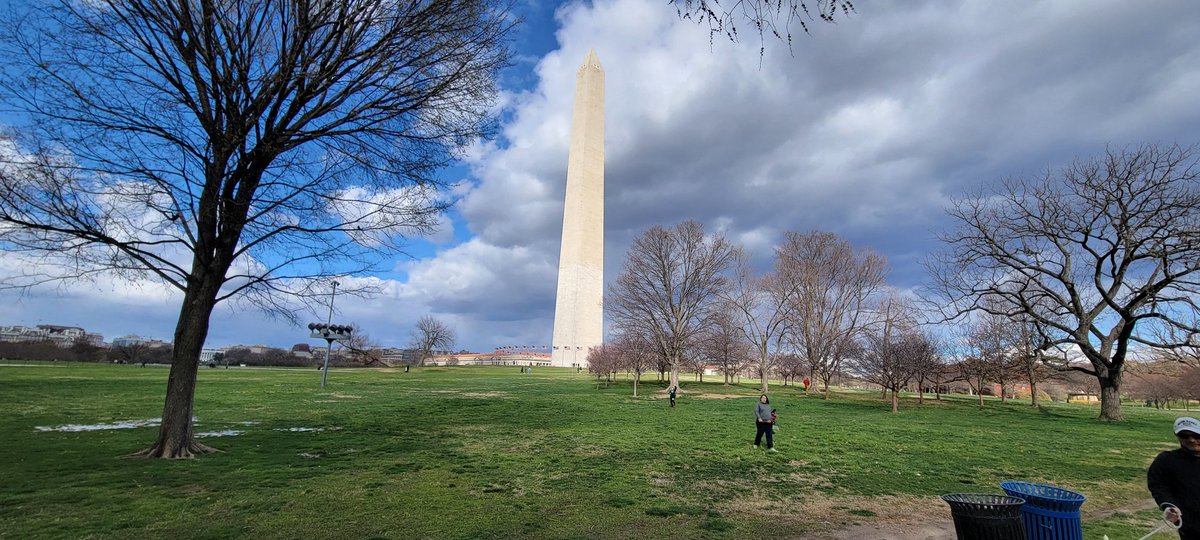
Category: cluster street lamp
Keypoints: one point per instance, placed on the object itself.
(330, 333)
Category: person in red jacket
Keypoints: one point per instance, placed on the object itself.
(1174, 479)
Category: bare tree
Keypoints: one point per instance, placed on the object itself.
(131, 353)
(1029, 356)
(927, 365)
(789, 367)
(977, 372)
(669, 287)
(764, 304)
(242, 148)
(766, 17)
(635, 354)
(832, 286)
(989, 340)
(694, 361)
(724, 344)
(892, 348)
(1102, 256)
(943, 372)
(429, 335)
(361, 348)
(603, 361)
(1156, 382)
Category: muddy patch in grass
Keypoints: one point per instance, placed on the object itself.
(845, 517)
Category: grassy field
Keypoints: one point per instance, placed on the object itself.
(493, 453)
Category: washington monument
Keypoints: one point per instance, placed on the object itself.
(579, 307)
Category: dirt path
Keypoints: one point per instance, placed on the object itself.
(940, 526)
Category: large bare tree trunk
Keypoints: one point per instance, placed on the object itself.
(895, 400)
(1110, 399)
(175, 437)
(1033, 390)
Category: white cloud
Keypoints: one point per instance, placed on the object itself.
(865, 130)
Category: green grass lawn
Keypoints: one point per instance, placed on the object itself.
(494, 453)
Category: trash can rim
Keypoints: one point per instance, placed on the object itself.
(1034, 491)
(983, 499)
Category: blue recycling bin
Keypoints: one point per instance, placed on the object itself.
(1050, 513)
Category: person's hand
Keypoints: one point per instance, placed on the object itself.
(1172, 515)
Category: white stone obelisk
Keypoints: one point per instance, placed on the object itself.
(579, 307)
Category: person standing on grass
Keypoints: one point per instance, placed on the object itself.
(764, 418)
(1174, 479)
(671, 393)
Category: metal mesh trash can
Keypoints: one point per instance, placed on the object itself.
(1050, 513)
(984, 516)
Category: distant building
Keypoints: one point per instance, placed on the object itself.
(497, 358)
(394, 357)
(207, 356)
(131, 339)
(63, 336)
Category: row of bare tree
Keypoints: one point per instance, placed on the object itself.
(877, 341)
(685, 296)
(1163, 382)
(1077, 270)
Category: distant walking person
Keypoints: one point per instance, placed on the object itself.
(671, 393)
(764, 418)
(1174, 479)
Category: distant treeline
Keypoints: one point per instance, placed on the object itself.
(145, 354)
(82, 351)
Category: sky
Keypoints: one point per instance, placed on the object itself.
(866, 128)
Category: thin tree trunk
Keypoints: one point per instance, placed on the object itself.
(1033, 393)
(895, 401)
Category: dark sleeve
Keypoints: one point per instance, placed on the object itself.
(1157, 480)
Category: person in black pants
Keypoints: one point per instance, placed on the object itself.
(764, 419)
(1174, 479)
(671, 392)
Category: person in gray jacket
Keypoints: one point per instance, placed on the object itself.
(764, 417)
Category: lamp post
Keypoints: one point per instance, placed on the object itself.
(330, 333)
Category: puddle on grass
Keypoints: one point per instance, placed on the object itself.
(127, 424)
(223, 433)
(307, 429)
